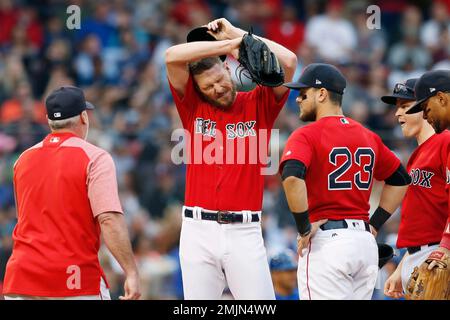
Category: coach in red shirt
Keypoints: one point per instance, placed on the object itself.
(221, 242)
(66, 196)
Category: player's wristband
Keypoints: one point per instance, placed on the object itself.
(302, 222)
(379, 217)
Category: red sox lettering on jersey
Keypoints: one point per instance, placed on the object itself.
(421, 178)
(207, 127)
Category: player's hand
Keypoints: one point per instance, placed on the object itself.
(393, 285)
(221, 29)
(131, 287)
(434, 263)
(303, 242)
(373, 230)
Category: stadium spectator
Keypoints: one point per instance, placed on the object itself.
(331, 34)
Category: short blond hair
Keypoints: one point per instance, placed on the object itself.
(63, 124)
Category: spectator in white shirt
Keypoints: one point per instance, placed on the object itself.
(333, 36)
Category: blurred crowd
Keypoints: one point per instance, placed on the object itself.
(117, 57)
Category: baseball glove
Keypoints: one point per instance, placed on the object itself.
(260, 62)
(431, 284)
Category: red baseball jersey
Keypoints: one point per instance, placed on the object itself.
(342, 158)
(425, 206)
(445, 241)
(61, 185)
(227, 148)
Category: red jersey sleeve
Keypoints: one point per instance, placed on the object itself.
(386, 161)
(185, 104)
(269, 107)
(298, 148)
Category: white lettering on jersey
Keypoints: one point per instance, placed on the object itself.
(240, 129)
(207, 127)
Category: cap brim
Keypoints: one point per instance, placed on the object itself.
(417, 107)
(89, 106)
(201, 34)
(392, 99)
(296, 85)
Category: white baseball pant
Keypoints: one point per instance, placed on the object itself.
(213, 255)
(339, 264)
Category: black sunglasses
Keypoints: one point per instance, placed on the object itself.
(403, 89)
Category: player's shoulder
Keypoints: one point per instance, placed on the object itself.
(352, 122)
(443, 137)
(307, 130)
(364, 129)
(27, 152)
(89, 149)
(255, 93)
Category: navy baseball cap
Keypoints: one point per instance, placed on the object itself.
(283, 261)
(320, 75)
(66, 102)
(401, 91)
(201, 34)
(428, 85)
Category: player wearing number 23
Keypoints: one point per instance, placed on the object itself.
(327, 169)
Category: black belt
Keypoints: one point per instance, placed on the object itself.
(412, 250)
(339, 224)
(222, 217)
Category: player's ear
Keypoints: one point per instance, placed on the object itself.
(441, 98)
(444, 98)
(323, 94)
(84, 117)
(226, 66)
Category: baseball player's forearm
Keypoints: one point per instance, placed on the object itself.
(391, 197)
(193, 51)
(296, 195)
(115, 235)
(178, 57)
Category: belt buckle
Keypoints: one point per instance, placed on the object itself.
(224, 217)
